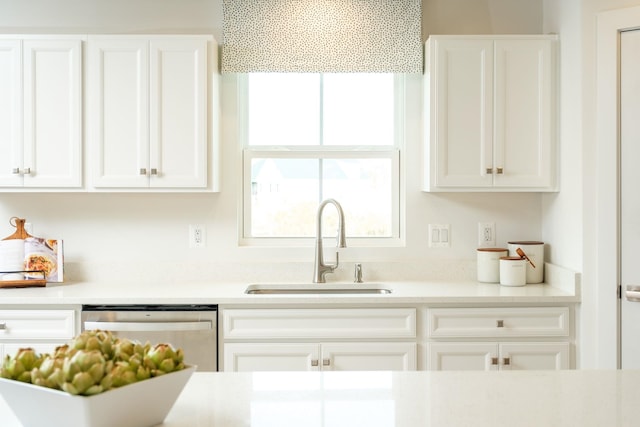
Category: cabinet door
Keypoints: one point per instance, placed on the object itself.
(10, 113)
(540, 356)
(178, 117)
(118, 112)
(524, 110)
(458, 356)
(52, 113)
(461, 113)
(369, 357)
(250, 357)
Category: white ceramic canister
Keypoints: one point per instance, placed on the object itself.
(489, 264)
(513, 271)
(535, 252)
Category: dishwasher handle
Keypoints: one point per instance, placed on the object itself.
(205, 325)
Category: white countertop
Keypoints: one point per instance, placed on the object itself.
(231, 294)
(562, 286)
(403, 399)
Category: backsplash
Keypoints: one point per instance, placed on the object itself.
(284, 272)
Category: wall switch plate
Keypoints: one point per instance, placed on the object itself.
(487, 234)
(197, 236)
(439, 235)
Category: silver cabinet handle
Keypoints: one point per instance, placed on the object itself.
(326, 362)
(204, 325)
(3, 326)
(15, 171)
(26, 171)
(314, 362)
(633, 293)
(154, 171)
(506, 361)
(499, 323)
(143, 171)
(499, 171)
(494, 361)
(489, 171)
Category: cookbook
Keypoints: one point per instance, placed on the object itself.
(32, 258)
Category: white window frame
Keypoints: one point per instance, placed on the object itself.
(394, 153)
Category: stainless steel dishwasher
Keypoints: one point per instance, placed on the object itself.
(190, 327)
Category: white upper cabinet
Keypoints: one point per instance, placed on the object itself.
(147, 112)
(490, 107)
(40, 112)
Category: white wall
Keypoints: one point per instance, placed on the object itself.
(150, 230)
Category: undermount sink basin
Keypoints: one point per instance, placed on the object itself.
(318, 288)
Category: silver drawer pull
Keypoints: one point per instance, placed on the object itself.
(3, 326)
(326, 362)
(633, 293)
(499, 171)
(27, 171)
(494, 361)
(506, 361)
(489, 171)
(143, 171)
(15, 171)
(154, 171)
(499, 323)
(314, 362)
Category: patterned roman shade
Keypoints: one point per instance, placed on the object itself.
(322, 36)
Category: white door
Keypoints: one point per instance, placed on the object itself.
(52, 113)
(10, 113)
(523, 130)
(630, 198)
(463, 115)
(360, 356)
(462, 356)
(178, 121)
(119, 112)
(250, 357)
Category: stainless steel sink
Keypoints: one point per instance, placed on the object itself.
(318, 288)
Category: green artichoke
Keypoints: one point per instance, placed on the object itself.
(19, 367)
(93, 362)
(163, 359)
(83, 373)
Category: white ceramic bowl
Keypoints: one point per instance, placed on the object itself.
(142, 404)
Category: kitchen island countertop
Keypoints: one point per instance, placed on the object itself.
(403, 399)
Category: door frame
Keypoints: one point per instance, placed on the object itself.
(609, 26)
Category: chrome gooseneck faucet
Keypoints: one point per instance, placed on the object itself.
(320, 269)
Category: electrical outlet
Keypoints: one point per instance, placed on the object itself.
(439, 235)
(486, 234)
(197, 236)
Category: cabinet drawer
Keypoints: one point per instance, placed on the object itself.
(37, 324)
(498, 322)
(319, 323)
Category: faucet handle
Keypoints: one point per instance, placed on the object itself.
(357, 274)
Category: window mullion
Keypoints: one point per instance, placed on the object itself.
(321, 139)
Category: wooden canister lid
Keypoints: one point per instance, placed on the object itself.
(493, 250)
(526, 242)
(512, 258)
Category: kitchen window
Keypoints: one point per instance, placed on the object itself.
(308, 137)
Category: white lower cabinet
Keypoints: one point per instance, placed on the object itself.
(491, 356)
(351, 356)
(319, 339)
(42, 330)
(498, 338)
